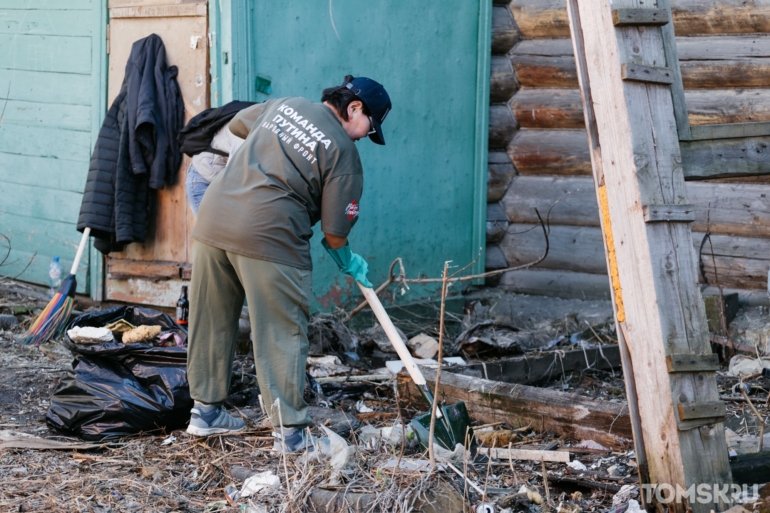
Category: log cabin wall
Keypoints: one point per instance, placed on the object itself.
(538, 151)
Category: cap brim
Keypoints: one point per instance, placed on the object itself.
(377, 137)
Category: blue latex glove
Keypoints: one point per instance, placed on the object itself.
(349, 263)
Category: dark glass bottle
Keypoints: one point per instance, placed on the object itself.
(182, 308)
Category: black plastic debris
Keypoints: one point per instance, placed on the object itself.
(119, 389)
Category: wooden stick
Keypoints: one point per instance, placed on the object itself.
(434, 406)
(525, 454)
(346, 379)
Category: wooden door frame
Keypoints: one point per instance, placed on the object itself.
(99, 69)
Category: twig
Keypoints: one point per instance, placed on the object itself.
(545, 483)
(754, 409)
(510, 462)
(283, 450)
(434, 406)
(489, 467)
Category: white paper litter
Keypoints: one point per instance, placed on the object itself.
(90, 335)
(168, 441)
(395, 366)
(743, 365)
(259, 482)
(577, 465)
(361, 407)
(590, 444)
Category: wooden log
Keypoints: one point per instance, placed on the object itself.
(548, 18)
(503, 83)
(504, 31)
(722, 208)
(495, 259)
(556, 283)
(738, 262)
(568, 415)
(708, 62)
(563, 108)
(550, 152)
(500, 171)
(565, 152)
(502, 126)
(532, 370)
(497, 223)
(548, 108)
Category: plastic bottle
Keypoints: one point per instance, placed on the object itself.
(182, 308)
(54, 275)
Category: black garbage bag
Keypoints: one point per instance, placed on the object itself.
(120, 389)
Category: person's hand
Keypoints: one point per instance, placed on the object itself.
(349, 263)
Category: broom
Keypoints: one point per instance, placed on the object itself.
(53, 319)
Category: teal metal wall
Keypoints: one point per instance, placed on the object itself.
(425, 190)
(52, 100)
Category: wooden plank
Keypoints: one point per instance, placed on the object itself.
(706, 410)
(45, 142)
(721, 208)
(548, 108)
(529, 370)
(158, 11)
(568, 415)
(671, 53)
(548, 18)
(45, 87)
(62, 23)
(50, 115)
(135, 290)
(723, 158)
(657, 300)
(64, 54)
(557, 283)
(57, 174)
(40, 203)
(730, 131)
(120, 269)
(643, 16)
(641, 73)
(692, 363)
(500, 172)
(27, 5)
(668, 213)
(524, 454)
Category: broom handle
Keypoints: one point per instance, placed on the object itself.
(81, 248)
(393, 336)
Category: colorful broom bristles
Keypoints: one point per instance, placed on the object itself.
(51, 321)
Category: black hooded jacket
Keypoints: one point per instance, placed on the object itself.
(136, 150)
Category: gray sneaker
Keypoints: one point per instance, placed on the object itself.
(212, 420)
(293, 440)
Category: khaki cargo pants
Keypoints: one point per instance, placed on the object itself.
(278, 300)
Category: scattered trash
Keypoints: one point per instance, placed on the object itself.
(216, 506)
(258, 482)
(577, 465)
(566, 507)
(485, 507)
(361, 407)
(590, 444)
(497, 438)
(445, 455)
(168, 441)
(375, 338)
(90, 335)
(624, 495)
(408, 464)
(372, 437)
(395, 366)
(423, 346)
(746, 444)
(743, 365)
(531, 494)
(141, 334)
(342, 454)
(323, 366)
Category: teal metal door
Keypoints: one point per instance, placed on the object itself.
(425, 190)
(52, 99)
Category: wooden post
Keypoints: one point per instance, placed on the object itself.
(632, 133)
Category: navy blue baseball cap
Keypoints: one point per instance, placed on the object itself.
(377, 101)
